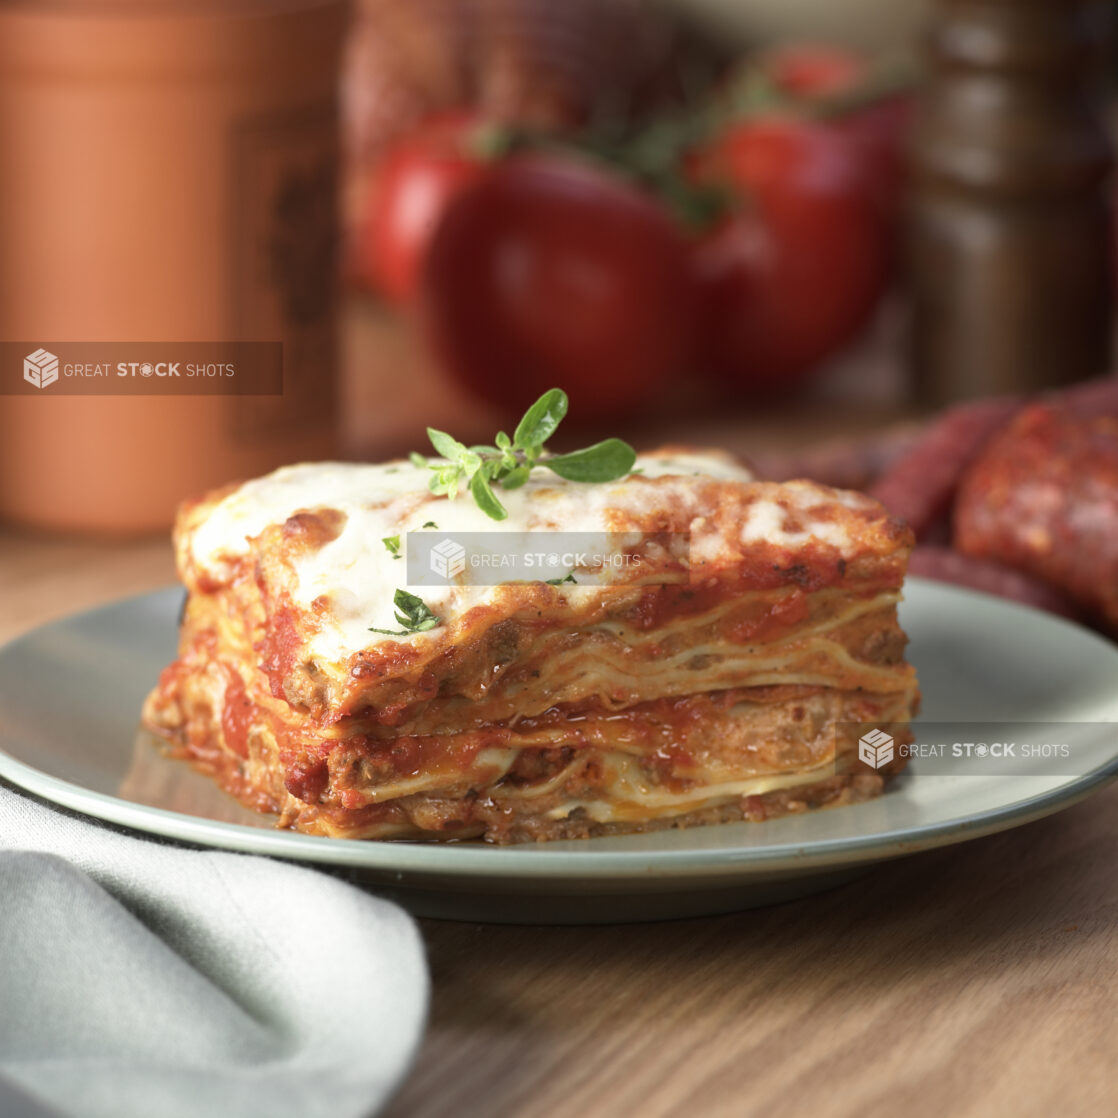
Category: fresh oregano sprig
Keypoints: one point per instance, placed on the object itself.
(508, 462)
(413, 613)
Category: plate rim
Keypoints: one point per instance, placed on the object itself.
(535, 860)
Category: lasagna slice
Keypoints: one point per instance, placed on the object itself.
(723, 676)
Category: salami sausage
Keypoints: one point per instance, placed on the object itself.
(944, 565)
(845, 464)
(921, 484)
(1043, 498)
(1092, 397)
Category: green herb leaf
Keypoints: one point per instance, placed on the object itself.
(604, 461)
(444, 481)
(417, 459)
(541, 420)
(448, 446)
(486, 501)
(568, 577)
(514, 479)
(392, 546)
(412, 613)
(509, 462)
(430, 524)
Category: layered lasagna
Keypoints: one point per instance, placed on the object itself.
(722, 674)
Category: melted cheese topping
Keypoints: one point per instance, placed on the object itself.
(358, 576)
(767, 521)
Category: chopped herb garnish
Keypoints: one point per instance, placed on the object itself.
(568, 577)
(430, 524)
(412, 613)
(508, 462)
(392, 546)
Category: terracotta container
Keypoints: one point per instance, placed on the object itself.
(169, 175)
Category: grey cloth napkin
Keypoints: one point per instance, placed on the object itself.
(142, 979)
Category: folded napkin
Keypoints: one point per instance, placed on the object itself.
(143, 979)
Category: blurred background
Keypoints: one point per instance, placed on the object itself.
(794, 228)
(711, 220)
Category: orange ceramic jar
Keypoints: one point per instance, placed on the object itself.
(169, 174)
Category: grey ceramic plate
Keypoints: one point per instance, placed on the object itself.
(70, 693)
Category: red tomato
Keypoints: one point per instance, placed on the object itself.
(877, 128)
(551, 273)
(813, 69)
(797, 273)
(408, 193)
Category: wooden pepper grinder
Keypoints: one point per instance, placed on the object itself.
(1009, 244)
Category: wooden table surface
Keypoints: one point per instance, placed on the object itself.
(976, 980)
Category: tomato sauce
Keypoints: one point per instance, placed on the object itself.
(236, 714)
